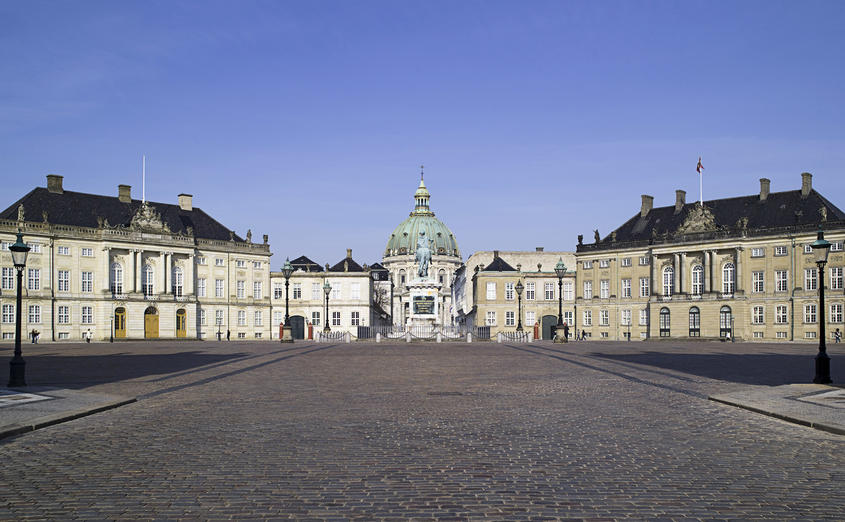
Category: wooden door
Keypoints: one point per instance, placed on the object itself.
(151, 323)
(120, 323)
(181, 323)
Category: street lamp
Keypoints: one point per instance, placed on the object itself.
(17, 366)
(519, 289)
(327, 288)
(821, 248)
(287, 335)
(560, 270)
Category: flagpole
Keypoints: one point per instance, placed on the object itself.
(143, 179)
(700, 188)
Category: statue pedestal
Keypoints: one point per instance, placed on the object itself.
(425, 302)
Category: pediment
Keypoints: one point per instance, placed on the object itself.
(148, 219)
(699, 219)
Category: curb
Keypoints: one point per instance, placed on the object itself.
(58, 418)
(821, 426)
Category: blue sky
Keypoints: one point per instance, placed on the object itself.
(536, 121)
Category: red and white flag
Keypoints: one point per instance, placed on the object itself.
(699, 167)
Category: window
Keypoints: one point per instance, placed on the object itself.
(626, 261)
(836, 278)
(588, 289)
(604, 288)
(277, 318)
(781, 284)
(836, 246)
(35, 314)
(34, 248)
(604, 317)
(643, 317)
(401, 277)
(218, 261)
(810, 313)
(297, 290)
(201, 287)
(530, 319)
(509, 291)
(201, 260)
(63, 250)
(758, 252)
(202, 317)
(87, 316)
(697, 286)
(725, 322)
(781, 335)
(240, 263)
(604, 263)
(668, 281)
(588, 318)
(33, 281)
(177, 284)
(441, 277)
(355, 291)
(808, 249)
(781, 314)
(241, 335)
(491, 318)
(336, 290)
(510, 319)
(588, 264)
(758, 335)
(757, 315)
(241, 292)
(218, 317)
(316, 292)
(218, 288)
(63, 315)
(5, 245)
(8, 278)
(644, 261)
(259, 318)
(780, 251)
(626, 288)
(757, 282)
(567, 317)
(356, 318)
(148, 281)
(335, 318)
(87, 282)
(116, 278)
(811, 281)
(694, 322)
(665, 322)
(809, 335)
(257, 290)
(644, 287)
(315, 318)
(241, 318)
(256, 265)
(529, 292)
(491, 291)
(278, 292)
(64, 281)
(9, 313)
(728, 278)
(549, 290)
(568, 291)
(836, 313)
(87, 252)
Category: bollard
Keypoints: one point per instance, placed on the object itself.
(407, 337)
(439, 339)
(469, 337)
(378, 337)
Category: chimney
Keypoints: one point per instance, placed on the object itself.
(680, 200)
(765, 183)
(495, 254)
(540, 249)
(349, 253)
(54, 184)
(124, 193)
(648, 203)
(806, 184)
(186, 202)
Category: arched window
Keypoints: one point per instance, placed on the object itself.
(148, 282)
(116, 278)
(402, 277)
(694, 322)
(697, 280)
(441, 276)
(725, 322)
(177, 281)
(668, 281)
(728, 278)
(664, 322)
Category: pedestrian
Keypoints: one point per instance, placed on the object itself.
(837, 336)
(228, 334)
(565, 333)
(34, 335)
(88, 336)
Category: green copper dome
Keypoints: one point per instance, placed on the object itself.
(403, 240)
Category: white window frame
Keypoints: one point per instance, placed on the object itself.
(148, 278)
(8, 314)
(355, 318)
(297, 291)
(178, 282)
(810, 314)
(8, 282)
(33, 279)
(604, 263)
(758, 282)
(63, 314)
(530, 318)
(240, 289)
(34, 315)
(241, 317)
(490, 319)
(728, 278)
(219, 288)
(645, 287)
(116, 280)
(811, 279)
(835, 313)
(87, 252)
(697, 280)
(530, 291)
(491, 291)
(781, 280)
(604, 289)
(86, 314)
(781, 314)
(588, 289)
(63, 250)
(63, 280)
(355, 291)
(258, 290)
(509, 292)
(604, 317)
(836, 278)
(643, 317)
(626, 288)
(315, 318)
(758, 315)
(510, 318)
(335, 318)
(202, 287)
(569, 290)
(626, 261)
(549, 291)
(86, 282)
(758, 252)
(668, 281)
(587, 318)
(258, 318)
(626, 317)
(781, 250)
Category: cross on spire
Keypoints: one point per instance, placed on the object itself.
(422, 176)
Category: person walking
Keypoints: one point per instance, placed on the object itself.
(565, 333)
(837, 336)
(228, 334)
(88, 336)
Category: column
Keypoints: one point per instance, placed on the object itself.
(189, 275)
(714, 260)
(651, 285)
(162, 275)
(682, 273)
(738, 258)
(138, 269)
(677, 274)
(705, 270)
(168, 272)
(106, 270)
(130, 272)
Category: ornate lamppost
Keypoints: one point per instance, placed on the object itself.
(287, 334)
(560, 270)
(821, 247)
(519, 289)
(327, 288)
(17, 366)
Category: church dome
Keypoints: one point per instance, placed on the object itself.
(403, 240)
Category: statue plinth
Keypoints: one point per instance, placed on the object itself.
(425, 302)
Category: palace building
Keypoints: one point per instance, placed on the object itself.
(738, 268)
(120, 267)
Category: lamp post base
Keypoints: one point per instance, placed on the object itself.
(822, 369)
(287, 334)
(17, 372)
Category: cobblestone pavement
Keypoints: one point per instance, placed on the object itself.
(438, 431)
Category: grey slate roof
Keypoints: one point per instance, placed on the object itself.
(305, 264)
(780, 212)
(347, 264)
(499, 265)
(82, 210)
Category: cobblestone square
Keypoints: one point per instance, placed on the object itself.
(589, 430)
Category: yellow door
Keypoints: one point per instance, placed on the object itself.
(120, 323)
(151, 323)
(181, 323)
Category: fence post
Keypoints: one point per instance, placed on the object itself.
(439, 339)
(469, 337)
(347, 337)
(407, 337)
(530, 337)
(378, 337)
(499, 337)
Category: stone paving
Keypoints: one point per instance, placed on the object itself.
(587, 430)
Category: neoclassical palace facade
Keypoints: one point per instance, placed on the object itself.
(739, 267)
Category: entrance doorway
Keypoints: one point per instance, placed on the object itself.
(725, 322)
(151, 323)
(181, 323)
(120, 323)
(548, 322)
(297, 325)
